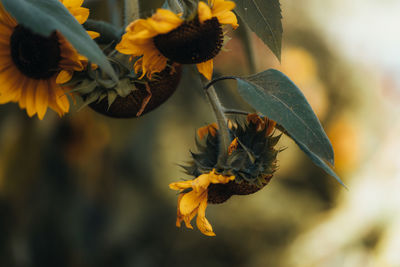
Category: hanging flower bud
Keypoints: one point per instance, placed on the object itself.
(144, 97)
(250, 164)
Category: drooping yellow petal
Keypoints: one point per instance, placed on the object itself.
(195, 201)
(202, 223)
(206, 68)
(181, 185)
(201, 183)
(189, 202)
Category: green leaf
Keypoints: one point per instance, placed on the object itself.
(319, 162)
(46, 16)
(264, 18)
(274, 95)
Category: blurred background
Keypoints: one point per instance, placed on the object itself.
(87, 190)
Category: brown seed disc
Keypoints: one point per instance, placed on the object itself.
(219, 193)
(192, 42)
(128, 107)
(36, 56)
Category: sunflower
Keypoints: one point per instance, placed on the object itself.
(194, 202)
(32, 66)
(166, 36)
(249, 166)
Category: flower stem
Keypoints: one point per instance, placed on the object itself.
(132, 9)
(219, 79)
(224, 135)
(235, 112)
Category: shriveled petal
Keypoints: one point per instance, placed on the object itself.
(271, 126)
(206, 68)
(201, 183)
(189, 202)
(204, 12)
(188, 218)
(202, 223)
(181, 185)
(233, 146)
(219, 179)
(208, 129)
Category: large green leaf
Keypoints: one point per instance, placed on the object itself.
(264, 18)
(46, 16)
(274, 95)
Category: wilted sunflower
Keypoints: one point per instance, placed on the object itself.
(249, 166)
(32, 66)
(166, 36)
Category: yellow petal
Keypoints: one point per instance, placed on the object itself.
(60, 97)
(181, 185)
(201, 183)
(188, 218)
(189, 202)
(202, 223)
(93, 34)
(204, 12)
(228, 18)
(233, 146)
(206, 68)
(64, 76)
(208, 129)
(72, 3)
(42, 98)
(219, 179)
(221, 6)
(164, 21)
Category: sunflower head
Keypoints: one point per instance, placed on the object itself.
(250, 165)
(143, 96)
(251, 158)
(32, 65)
(167, 37)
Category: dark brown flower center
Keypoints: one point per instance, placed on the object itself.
(192, 42)
(219, 193)
(128, 107)
(34, 55)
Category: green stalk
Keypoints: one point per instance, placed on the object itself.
(132, 9)
(224, 135)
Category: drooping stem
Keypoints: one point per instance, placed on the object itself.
(223, 130)
(132, 9)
